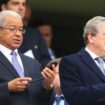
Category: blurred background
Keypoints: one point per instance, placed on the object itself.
(67, 18)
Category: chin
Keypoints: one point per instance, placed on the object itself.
(16, 46)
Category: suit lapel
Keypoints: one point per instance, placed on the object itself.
(86, 58)
(65, 102)
(4, 61)
(10, 68)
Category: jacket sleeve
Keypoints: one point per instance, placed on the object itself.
(75, 90)
(4, 94)
(45, 96)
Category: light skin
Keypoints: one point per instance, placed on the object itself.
(97, 43)
(56, 82)
(16, 5)
(28, 13)
(13, 40)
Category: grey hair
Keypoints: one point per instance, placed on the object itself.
(4, 15)
(92, 27)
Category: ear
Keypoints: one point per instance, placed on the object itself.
(3, 7)
(90, 38)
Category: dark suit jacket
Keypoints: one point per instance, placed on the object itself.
(35, 94)
(82, 81)
(34, 41)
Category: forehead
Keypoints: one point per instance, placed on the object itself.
(101, 26)
(45, 28)
(10, 20)
(19, 1)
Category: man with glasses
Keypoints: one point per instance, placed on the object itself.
(21, 82)
(33, 44)
(14, 29)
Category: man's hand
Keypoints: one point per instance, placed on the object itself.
(19, 84)
(49, 76)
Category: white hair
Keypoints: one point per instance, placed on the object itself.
(92, 26)
(4, 15)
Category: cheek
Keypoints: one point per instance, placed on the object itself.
(48, 39)
(22, 37)
(99, 44)
(22, 12)
(13, 8)
(9, 40)
(6, 41)
(5, 38)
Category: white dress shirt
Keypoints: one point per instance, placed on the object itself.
(7, 53)
(94, 56)
(52, 55)
(61, 102)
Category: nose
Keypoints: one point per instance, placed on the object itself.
(21, 10)
(18, 33)
(21, 7)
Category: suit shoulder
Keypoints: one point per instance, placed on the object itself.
(30, 60)
(70, 56)
(70, 59)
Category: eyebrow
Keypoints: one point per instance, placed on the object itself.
(17, 2)
(15, 26)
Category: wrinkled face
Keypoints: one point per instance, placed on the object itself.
(46, 31)
(11, 34)
(98, 41)
(16, 5)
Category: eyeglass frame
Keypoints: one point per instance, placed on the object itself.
(14, 29)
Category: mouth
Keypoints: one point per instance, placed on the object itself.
(17, 41)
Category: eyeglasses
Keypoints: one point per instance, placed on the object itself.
(14, 29)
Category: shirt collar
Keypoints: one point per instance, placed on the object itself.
(5, 50)
(59, 95)
(92, 54)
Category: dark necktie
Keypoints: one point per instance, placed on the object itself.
(58, 99)
(16, 64)
(101, 64)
